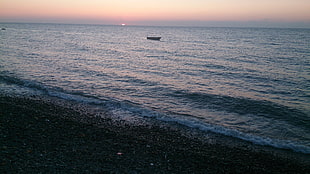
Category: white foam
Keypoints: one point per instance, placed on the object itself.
(283, 144)
(77, 98)
(198, 124)
(126, 109)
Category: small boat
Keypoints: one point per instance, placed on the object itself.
(153, 38)
(3, 29)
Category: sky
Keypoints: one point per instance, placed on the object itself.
(159, 12)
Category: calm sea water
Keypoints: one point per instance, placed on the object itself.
(249, 83)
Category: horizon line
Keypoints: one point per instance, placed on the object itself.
(215, 24)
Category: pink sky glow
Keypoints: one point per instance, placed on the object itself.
(146, 11)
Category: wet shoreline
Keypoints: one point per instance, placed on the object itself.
(43, 136)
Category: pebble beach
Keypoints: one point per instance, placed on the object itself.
(47, 136)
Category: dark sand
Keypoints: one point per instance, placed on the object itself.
(41, 136)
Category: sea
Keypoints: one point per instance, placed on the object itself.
(252, 84)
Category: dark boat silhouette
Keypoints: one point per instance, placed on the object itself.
(153, 38)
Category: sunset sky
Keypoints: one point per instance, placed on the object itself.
(157, 12)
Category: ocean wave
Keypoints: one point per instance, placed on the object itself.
(4, 78)
(133, 109)
(122, 109)
(245, 106)
(282, 144)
